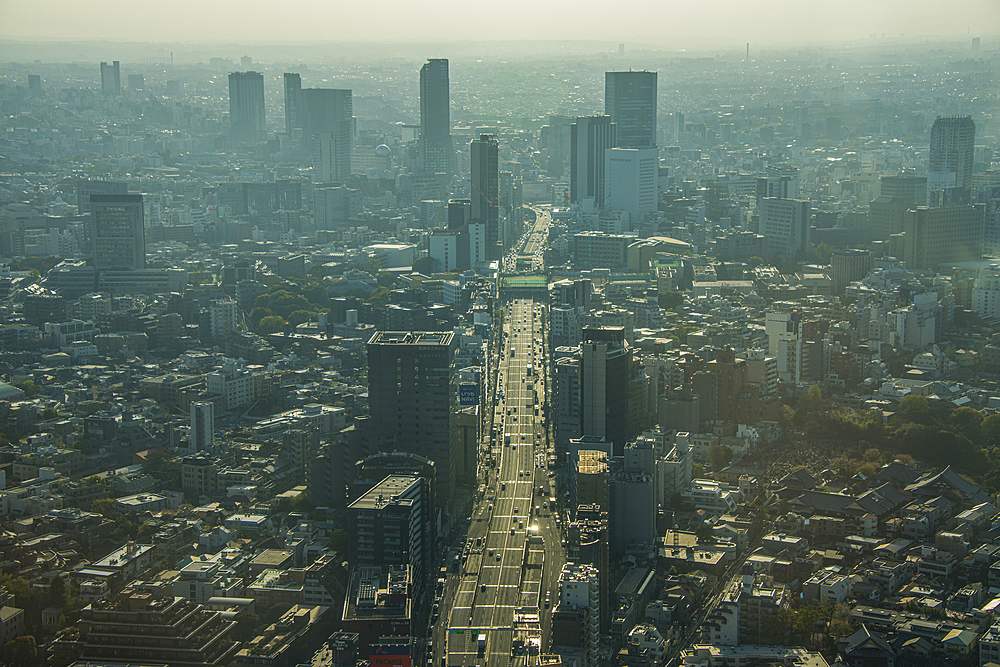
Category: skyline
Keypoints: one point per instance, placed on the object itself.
(714, 24)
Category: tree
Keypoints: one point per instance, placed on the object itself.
(247, 627)
(57, 593)
(259, 313)
(670, 300)
(271, 324)
(386, 279)
(755, 261)
(812, 400)
(719, 457)
(29, 387)
(299, 316)
(915, 409)
(19, 651)
(379, 297)
(426, 265)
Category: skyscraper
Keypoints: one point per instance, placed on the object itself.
(604, 372)
(410, 379)
(293, 85)
(111, 78)
(436, 153)
(485, 186)
(630, 181)
(784, 224)
(202, 434)
(246, 107)
(590, 137)
(118, 232)
(953, 143)
(630, 100)
(327, 117)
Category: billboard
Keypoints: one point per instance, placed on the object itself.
(468, 394)
(389, 656)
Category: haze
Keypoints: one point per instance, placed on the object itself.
(707, 24)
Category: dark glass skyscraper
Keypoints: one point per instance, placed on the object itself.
(293, 86)
(590, 137)
(410, 376)
(111, 78)
(327, 121)
(436, 153)
(485, 186)
(953, 144)
(630, 100)
(246, 107)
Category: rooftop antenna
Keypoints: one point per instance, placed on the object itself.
(748, 51)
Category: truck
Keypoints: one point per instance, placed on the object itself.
(506, 440)
(481, 643)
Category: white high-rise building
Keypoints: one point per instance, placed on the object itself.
(630, 181)
(784, 224)
(580, 586)
(222, 317)
(784, 342)
(202, 426)
(986, 292)
(234, 381)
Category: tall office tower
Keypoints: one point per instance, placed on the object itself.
(136, 82)
(605, 368)
(557, 140)
(111, 78)
(566, 396)
(391, 525)
(848, 266)
(944, 235)
(118, 232)
(293, 86)
(410, 379)
(590, 138)
(485, 186)
(912, 189)
(328, 114)
(34, 82)
(784, 224)
(633, 499)
(246, 107)
(630, 100)
(202, 426)
(953, 143)
(511, 203)
(630, 181)
(436, 152)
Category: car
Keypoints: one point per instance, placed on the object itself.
(482, 588)
(498, 558)
(515, 509)
(520, 473)
(545, 504)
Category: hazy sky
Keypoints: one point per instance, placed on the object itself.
(668, 23)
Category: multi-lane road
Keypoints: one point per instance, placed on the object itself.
(512, 554)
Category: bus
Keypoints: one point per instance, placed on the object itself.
(528, 371)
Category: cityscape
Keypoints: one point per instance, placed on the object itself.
(539, 353)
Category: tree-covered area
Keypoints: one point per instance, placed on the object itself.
(293, 302)
(936, 433)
